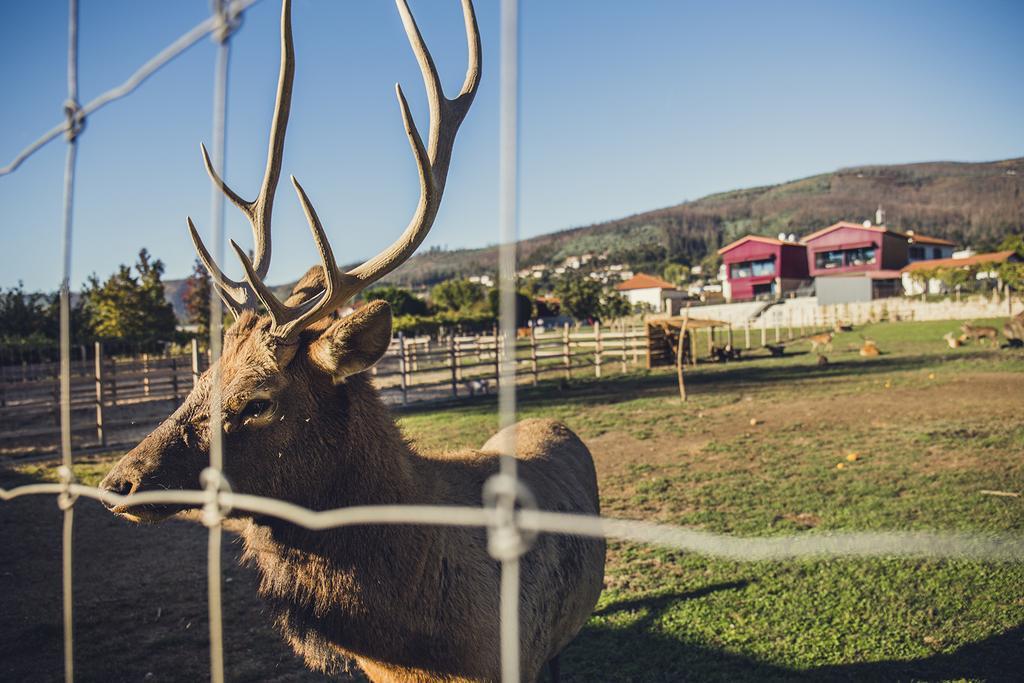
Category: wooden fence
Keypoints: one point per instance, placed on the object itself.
(116, 400)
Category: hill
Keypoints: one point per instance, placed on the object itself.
(973, 204)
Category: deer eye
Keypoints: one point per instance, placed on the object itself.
(256, 410)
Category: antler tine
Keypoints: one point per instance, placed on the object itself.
(289, 321)
(236, 295)
(445, 117)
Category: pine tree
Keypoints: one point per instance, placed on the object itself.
(197, 298)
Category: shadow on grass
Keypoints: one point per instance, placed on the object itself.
(641, 651)
(744, 375)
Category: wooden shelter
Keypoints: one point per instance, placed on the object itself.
(663, 338)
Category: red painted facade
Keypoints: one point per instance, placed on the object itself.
(852, 248)
(762, 267)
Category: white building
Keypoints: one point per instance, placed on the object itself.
(649, 290)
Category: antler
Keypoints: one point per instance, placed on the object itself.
(236, 295)
(432, 162)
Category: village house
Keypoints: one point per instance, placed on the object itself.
(984, 264)
(650, 291)
(763, 268)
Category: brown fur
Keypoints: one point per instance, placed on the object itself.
(979, 332)
(408, 603)
(823, 340)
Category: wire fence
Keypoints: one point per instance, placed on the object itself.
(511, 521)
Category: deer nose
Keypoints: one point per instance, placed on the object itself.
(122, 486)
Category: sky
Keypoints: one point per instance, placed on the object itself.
(624, 107)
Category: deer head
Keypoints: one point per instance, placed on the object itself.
(290, 377)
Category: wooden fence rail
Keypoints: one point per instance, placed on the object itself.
(111, 394)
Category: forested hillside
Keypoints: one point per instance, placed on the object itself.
(974, 204)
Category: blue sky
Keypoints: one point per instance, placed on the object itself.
(625, 107)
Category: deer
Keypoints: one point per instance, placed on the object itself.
(302, 422)
(979, 332)
(823, 339)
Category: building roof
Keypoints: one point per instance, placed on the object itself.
(925, 239)
(750, 238)
(915, 237)
(644, 281)
(844, 224)
(992, 257)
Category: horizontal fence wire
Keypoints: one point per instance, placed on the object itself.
(988, 547)
(161, 59)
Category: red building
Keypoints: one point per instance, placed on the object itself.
(763, 268)
(852, 248)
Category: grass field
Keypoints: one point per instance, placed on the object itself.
(903, 441)
(782, 446)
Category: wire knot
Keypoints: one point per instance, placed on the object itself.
(506, 494)
(214, 484)
(229, 19)
(75, 119)
(65, 499)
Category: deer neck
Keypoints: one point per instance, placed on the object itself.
(348, 585)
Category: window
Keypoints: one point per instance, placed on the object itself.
(860, 257)
(936, 252)
(828, 259)
(917, 253)
(762, 268)
(738, 271)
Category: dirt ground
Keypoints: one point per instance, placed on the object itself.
(140, 591)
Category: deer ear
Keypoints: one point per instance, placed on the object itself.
(354, 343)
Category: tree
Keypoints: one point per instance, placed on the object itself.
(580, 295)
(524, 306)
(402, 301)
(676, 273)
(614, 306)
(130, 308)
(197, 298)
(456, 295)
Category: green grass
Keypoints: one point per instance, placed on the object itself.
(919, 432)
(917, 443)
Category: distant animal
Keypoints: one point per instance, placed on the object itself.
(823, 339)
(303, 423)
(776, 349)
(842, 327)
(478, 386)
(869, 348)
(1013, 330)
(822, 361)
(980, 332)
(952, 341)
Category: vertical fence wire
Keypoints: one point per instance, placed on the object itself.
(507, 202)
(213, 518)
(66, 502)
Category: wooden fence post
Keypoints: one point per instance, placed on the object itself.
(402, 365)
(789, 324)
(680, 343)
(100, 435)
(458, 360)
(174, 378)
(195, 363)
(764, 331)
(566, 356)
(633, 345)
(597, 349)
(711, 340)
(113, 380)
(145, 374)
(533, 353)
(746, 333)
(625, 369)
(451, 365)
(497, 355)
